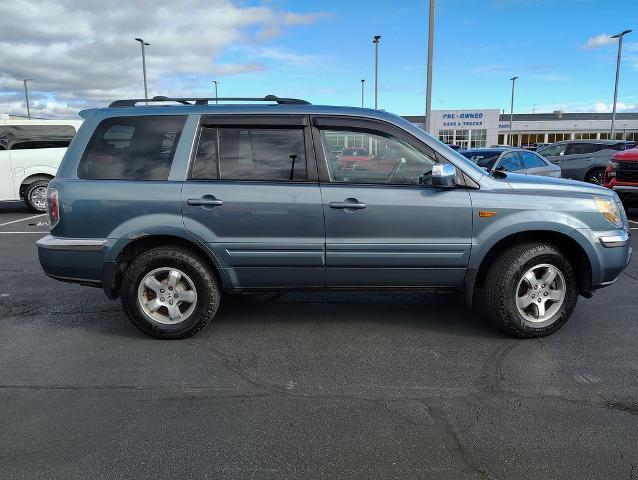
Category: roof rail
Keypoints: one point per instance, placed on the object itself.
(204, 101)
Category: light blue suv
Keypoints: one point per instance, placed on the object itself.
(169, 205)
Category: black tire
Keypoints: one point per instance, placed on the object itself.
(33, 197)
(205, 285)
(595, 176)
(502, 284)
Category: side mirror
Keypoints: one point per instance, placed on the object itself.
(443, 175)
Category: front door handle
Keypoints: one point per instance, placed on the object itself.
(205, 201)
(348, 204)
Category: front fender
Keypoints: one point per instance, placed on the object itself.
(490, 233)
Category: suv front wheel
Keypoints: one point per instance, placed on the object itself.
(169, 293)
(531, 290)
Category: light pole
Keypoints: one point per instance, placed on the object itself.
(26, 95)
(143, 44)
(216, 83)
(428, 91)
(363, 82)
(375, 40)
(513, 79)
(613, 113)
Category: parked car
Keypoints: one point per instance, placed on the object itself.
(169, 206)
(584, 160)
(511, 160)
(30, 152)
(622, 176)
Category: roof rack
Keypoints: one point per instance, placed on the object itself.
(205, 101)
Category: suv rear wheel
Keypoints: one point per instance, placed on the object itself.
(531, 290)
(35, 196)
(169, 293)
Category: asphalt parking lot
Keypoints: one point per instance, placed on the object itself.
(308, 386)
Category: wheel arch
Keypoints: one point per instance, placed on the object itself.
(33, 178)
(570, 247)
(114, 270)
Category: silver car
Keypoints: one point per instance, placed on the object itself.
(511, 160)
(584, 160)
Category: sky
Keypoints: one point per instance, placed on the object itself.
(82, 54)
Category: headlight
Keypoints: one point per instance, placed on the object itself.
(610, 210)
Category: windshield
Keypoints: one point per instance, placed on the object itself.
(482, 159)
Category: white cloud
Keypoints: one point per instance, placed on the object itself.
(599, 41)
(81, 52)
(602, 107)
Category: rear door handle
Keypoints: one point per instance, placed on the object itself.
(349, 203)
(205, 201)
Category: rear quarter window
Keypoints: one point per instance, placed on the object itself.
(132, 148)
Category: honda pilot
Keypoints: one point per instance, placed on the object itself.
(172, 204)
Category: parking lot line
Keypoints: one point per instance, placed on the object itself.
(22, 219)
(633, 221)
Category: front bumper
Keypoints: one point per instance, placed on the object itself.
(613, 252)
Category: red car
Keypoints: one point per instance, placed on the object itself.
(351, 156)
(622, 176)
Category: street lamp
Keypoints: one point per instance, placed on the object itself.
(428, 91)
(613, 113)
(513, 79)
(26, 95)
(143, 44)
(375, 40)
(363, 82)
(216, 83)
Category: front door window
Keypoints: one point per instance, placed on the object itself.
(379, 159)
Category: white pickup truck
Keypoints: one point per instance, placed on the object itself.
(30, 153)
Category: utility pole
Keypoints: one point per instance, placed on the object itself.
(216, 83)
(26, 95)
(513, 79)
(613, 113)
(363, 82)
(428, 91)
(375, 40)
(143, 44)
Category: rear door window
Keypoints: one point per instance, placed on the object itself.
(132, 148)
(3, 138)
(509, 162)
(25, 137)
(531, 160)
(251, 154)
(580, 148)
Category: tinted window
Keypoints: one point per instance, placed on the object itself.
(251, 154)
(3, 138)
(482, 159)
(531, 160)
(206, 166)
(386, 160)
(509, 162)
(580, 148)
(22, 137)
(132, 148)
(553, 150)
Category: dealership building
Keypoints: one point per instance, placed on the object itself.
(483, 128)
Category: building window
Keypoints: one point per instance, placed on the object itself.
(461, 138)
(557, 137)
(446, 136)
(478, 138)
(633, 136)
(501, 139)
(585, 136)
(532, 138)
